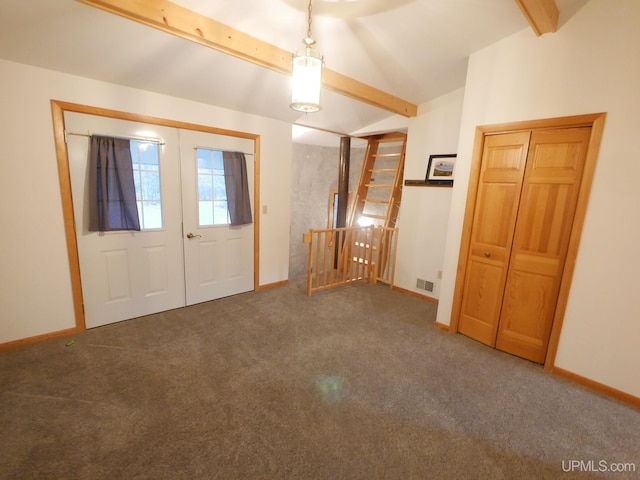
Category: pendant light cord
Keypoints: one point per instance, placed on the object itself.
(309, 21)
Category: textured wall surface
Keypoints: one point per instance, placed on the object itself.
(314, 174)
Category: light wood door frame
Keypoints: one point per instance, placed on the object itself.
(596, 122)
(58, 109)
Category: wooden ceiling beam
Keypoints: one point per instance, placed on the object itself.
(542, 15)
(182, 22)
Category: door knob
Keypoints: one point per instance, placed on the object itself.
(191, 235)
(487, 254)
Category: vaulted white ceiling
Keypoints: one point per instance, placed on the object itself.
(414, 49)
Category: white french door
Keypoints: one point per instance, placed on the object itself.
(218, 257)
(127, 274)
(130, 274)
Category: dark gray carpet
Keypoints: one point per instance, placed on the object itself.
(352, 383)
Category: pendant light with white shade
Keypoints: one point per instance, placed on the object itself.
(306, 79)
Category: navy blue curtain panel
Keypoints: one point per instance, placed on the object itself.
(112, 192)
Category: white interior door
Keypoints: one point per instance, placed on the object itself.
(129, 274)
(218, 257)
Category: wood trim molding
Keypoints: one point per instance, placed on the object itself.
(136, 117)
(23, 342)
(269, 286)
(465, 242)
(58, 108)
(411, 293)
(257, 213)
(599, 387)
(572, 121)
(184, 23)
(64, 177)
(441, 326)
(597, 128)
(542, 15)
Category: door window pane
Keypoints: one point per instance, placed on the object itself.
(146, 175)
(212, 193)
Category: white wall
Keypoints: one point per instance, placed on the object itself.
(35, 289)
(424, 212)
(590, 65)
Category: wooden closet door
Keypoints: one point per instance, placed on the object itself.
(500, 183)
(545, 217)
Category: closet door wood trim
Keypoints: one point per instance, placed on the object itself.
(597, 128)
(596, 121)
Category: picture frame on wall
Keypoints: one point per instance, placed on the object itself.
(440, 169)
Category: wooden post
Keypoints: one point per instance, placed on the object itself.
(343, 181)
(310, 269)
(343, 188)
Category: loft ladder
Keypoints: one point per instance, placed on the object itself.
(358, 251)
(379, 192)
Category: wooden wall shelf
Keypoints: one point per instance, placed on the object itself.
(426, 183)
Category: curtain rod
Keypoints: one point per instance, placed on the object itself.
(221, 150)
(146, 139)
(143, 139)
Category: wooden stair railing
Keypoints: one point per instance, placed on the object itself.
(343, 255)
(384, 256)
